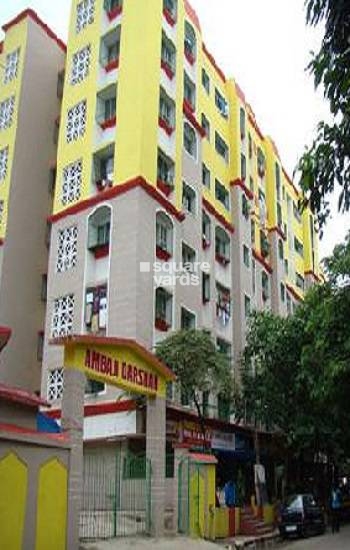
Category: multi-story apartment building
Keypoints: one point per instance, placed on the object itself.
(31, 56)
(160, 159)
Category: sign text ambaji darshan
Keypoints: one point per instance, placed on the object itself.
(119, 362)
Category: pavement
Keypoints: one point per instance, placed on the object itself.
(338, 541)
(145, 543)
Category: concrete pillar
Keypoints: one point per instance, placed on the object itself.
(72, 424)
(155, 452)
(181, 452)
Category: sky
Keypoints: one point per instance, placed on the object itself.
(265, 46)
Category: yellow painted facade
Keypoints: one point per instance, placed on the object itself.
(51, 518)
(13, 498)
(16, 38)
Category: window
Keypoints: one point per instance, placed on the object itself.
(264, 244)
(165, 170)
(99, 230)
(76, 121)
(85, 14)
(93, 387)
(206, 230)
(167, 110)
(221, 103)
(286, 267)
(245, 207)
(221, 147)
(110, 50)
(6, 112)
(96, 309)
(299, 281)
(282, 292)
(40, 346)
(43, 292)
(188, 257)
(222, 194)
(4, 154)
(253, 276)
(261, 163)
(103, 168)
(80, 65)
(296, 212)
(223, 304)
(205, 81)
(11, 66)
(164, 306)
(170, 6)
(205, 287)
(247, 306)
(62, 316)
(280, 249)
(250, 146)
(265, 286)
(298, 247)
(168, 56)
(243, 167)
(205, 176)
(106, 107)
(251, 184)
(55, 384)
(188, 319)
(67, 249)
(190, 140)
(164, 236)
(60, 83)
(111, 5)
(223, 347)
(206, 126)
(278, 181)
(242, 122)
(252, 232)
(279, 216)
(72, 179)
(190, 43)
(246, 256)
(222, 246)
(289, 304)
(189, 92)
(52, 180)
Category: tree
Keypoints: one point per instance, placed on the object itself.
(198, 365)
(327, 162)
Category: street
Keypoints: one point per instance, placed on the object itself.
(339, 541)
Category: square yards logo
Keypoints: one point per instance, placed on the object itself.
(169, 273)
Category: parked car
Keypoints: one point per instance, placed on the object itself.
(301, 516)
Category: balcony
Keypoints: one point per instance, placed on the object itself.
(165, 173)
(103, 168)
(106, 108)
(164, 237)
(166, 113)
(113, 8)
(99, 232)
(170, 11)
(96, 309)
(222, 246)
(190, 44)
(110, 50)
(189, 94)
(163, 315)
(168, 60)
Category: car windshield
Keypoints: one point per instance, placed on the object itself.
(294, 502)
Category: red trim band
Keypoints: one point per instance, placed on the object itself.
(312, 274)
(239, 183)
(262, 261)
(114, 192)
(168, 17)
(114, 13)
(112, 65)
(34, 16)
(279, 231)
(167, 69)
(212, 210)
(192, 119)
(163, 124)
(100, 408)
(294, 293)
(214, 64)
(110, 123)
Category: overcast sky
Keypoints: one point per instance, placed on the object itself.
(265, 46)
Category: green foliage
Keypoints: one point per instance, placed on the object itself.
(327, 162)
(198, 365)
(296, 370)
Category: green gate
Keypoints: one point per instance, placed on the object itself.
(116, 495)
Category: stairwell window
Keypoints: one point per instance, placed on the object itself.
(80, 65)
(298, 247)
(7, 108)
(62, 316)
(222, 194)
(206, 126)
(243, 167)
(221, 147)
(221, 104)
(85, 14)
(222, 246)
(189, 92)
(76, 121)
(205, 176)
(188, 319)
(299, 281)
(71, 184)
(188, 257)
(242, 122)
(4, 154)
(189, 199)
(190, 140)
(11, 66)
(67, 249)
(206, 230)
(164, 236)
(190, 43)
(163, 310)
(206, 81)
